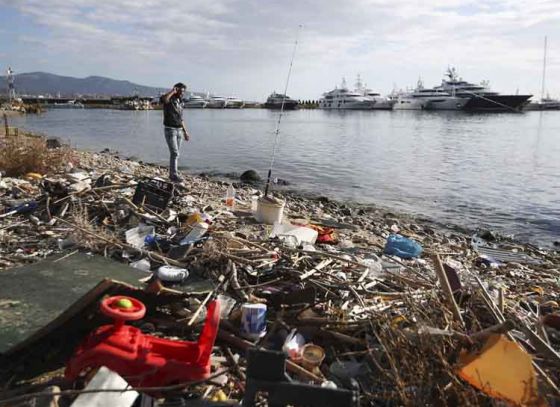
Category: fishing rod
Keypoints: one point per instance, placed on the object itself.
(277, 132)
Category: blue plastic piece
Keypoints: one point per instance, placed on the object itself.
(27, 207)
(402, 247)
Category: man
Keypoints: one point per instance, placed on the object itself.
(174, 127)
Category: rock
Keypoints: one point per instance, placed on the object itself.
(323, 199)
(488, 235)
(54, 143)
(250, 177)
(556, 243)
(280, 181)
(346, 211)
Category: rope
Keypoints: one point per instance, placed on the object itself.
(277, 132)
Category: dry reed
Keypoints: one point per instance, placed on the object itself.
(25, 154)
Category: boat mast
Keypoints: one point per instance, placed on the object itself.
(543, 69)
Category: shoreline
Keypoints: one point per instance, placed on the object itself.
(374, 219)
(364, 301)
(529, 223)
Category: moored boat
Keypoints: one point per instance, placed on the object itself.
(480, 97)
(344, 99)
(195, 102)
(276, 100)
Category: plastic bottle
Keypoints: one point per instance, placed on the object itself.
(230, 196)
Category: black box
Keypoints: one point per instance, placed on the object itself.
(154, 194)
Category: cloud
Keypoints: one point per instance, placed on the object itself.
(243, 47)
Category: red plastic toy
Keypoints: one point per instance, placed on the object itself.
(144, 360)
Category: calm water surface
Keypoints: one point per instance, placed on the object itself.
(496, 171)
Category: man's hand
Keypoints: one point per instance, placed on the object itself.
(169, 95)
(186, 134)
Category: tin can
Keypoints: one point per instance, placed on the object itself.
(253, 321)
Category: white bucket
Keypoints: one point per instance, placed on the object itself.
(269, 212)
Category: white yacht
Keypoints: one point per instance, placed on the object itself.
(344, 99)
(195, 102)
(379, 102)
(233, 102)
(427, 99)
(215, 102)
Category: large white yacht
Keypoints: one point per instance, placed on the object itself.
(427, 99)
(233, 102)
(379, 102)
(215, 102)
(195, 102)
(342, 98)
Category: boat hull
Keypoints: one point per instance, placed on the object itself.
(216, 104)
(543, 106)
(382, 104)
(497, 103)
(348, 106)
(452, 103)
(288, 105)
(194, 105)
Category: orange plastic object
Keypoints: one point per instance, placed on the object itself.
(501, 369)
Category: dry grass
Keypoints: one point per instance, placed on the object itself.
(88, 235)
(24, 154)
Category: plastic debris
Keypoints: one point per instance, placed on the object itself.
(501, 369)
(402, 247)
(137, 236)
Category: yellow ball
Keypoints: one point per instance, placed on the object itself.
(124, 303)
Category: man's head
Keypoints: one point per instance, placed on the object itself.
(179, 88)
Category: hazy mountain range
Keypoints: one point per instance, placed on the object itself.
(42, 83)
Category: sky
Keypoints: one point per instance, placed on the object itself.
(244, 47)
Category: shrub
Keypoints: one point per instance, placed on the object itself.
(24, 154)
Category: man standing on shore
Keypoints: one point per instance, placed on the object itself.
(174, 127)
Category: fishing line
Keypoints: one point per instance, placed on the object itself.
(277, 132)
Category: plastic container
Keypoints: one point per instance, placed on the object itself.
(269, 211)
(300, 233)
(312, 356)
(137, 236)
(253, 321)
(198, 230)
(254, 203)
(230, 196)
(402, 247)
(153, 193)
(172, 274)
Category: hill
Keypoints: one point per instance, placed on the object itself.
(43, 83)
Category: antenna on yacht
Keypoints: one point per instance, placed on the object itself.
(277, 132)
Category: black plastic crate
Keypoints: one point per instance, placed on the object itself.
(154, 194)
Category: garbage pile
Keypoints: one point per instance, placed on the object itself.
(393, 310)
